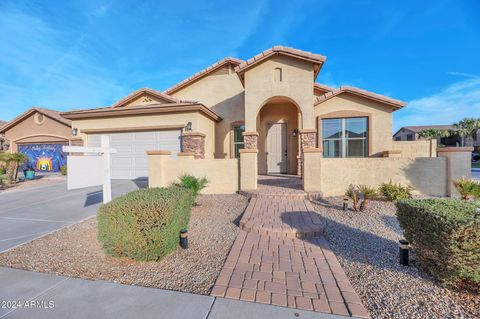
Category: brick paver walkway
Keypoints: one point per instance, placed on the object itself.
(270, 262)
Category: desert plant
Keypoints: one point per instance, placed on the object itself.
(144, 224)
(367, 194)
(193, 183)
(393, 192)
(467, 188)
(445, 234)
(13, 161)
(63, 170)
(360, 196)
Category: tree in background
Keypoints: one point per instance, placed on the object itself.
(432, 133)
(466, 128)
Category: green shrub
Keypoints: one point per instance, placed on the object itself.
(193, 183)
(2, 170)
(144, 224)
(363, 192)
(445, 234)
(63, 170)
(393, 192)
(467, 188)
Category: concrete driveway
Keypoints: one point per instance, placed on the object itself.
(31, 213)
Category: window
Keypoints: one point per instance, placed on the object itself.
(398, 138)
(238, 143)
(345, 137)
(410, 137)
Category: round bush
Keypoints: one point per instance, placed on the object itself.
(144, 224)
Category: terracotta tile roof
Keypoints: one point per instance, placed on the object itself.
(111, 111)
(363, 93)
(132, 96)
(55, 115)
(323, 87)
(278, 49)
(202, 73)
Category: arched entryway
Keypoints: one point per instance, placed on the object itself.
(278, 123)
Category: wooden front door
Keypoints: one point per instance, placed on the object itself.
(277, 148)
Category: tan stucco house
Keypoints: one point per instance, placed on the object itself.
(270, 102)
(236, 119)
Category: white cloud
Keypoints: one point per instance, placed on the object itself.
(457, 101)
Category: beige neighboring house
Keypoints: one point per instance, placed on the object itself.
(2, 137)
(411, 133)
(40, 133)
(237, 119)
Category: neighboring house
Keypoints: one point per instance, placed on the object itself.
(39, 133)
(269, 102)
(2, 138)
(411, 133)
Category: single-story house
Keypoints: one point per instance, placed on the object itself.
(270, 102)
(39, 133)
(411, 133)
(266, 115)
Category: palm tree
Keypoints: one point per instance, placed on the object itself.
(467, 127)
(432, 133)
(13, 161)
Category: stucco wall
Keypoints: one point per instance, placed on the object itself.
(199, 124)
(381, 117)
(222, 174)
(332, 176)
(277, 113)
(28, 131)
(420, 148)
(223, 94)
(296, 85)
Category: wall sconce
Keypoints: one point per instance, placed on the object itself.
(74, 131)
(188, 127)
(295, 133)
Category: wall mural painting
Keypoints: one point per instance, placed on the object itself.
(44, 157)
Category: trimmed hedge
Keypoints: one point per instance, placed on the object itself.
(144, 224)
(445, 234)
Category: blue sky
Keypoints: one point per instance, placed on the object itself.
(84, 54)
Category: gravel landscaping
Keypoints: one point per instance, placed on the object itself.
(75, 251)
(366, 244)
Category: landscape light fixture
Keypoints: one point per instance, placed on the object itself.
(345, 204)
(404, 247)
(184, 239)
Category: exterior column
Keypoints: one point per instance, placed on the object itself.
(194, 142)
(248, 169)
(156, 166)
(250, 139)
(313, 166)
(458, 165)
(308, 139)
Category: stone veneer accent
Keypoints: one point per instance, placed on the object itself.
(251, 140)
(308, 139)
(194, 142)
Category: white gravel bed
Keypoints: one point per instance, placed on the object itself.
(75, 251)
(366, 244)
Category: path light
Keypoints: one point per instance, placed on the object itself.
(184, 239)
(404, 247)
(345, 204)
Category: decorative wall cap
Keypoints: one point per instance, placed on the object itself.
(193, 134)
(308, 130)
(466, 149)
(76, 138)
(312, 150)
(392, 152)
(248, 150)
(186, 154)
(159, 152)
(250, 133)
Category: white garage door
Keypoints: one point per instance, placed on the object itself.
(130, 161)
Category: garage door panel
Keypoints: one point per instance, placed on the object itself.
(131, 160)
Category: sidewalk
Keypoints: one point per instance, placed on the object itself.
(78, 298)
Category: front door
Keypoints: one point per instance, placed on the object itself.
(277, 148)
